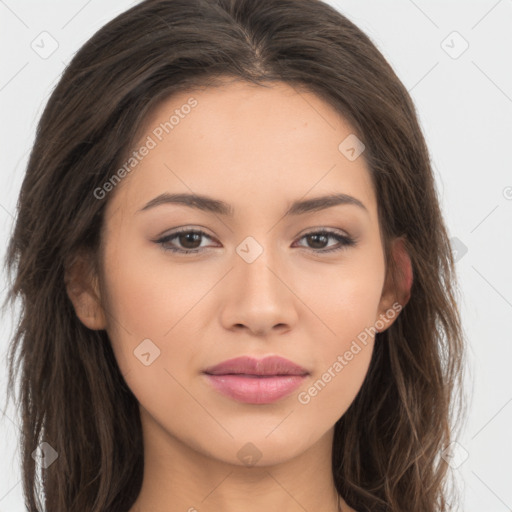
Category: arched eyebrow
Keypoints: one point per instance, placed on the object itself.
(212, 205)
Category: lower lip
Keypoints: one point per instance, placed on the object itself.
(256, 390)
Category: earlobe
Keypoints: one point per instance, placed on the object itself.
(397, 287)
(82, 290)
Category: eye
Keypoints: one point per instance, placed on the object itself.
(190, 239)
(321, 237)
(187, 237)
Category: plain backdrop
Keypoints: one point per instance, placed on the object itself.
(455, 59)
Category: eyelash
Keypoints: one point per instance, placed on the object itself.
(345, 241)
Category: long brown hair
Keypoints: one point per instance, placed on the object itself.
(388, 446)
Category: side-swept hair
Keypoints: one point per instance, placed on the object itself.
(387, 446)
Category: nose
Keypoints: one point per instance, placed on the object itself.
(259, 298)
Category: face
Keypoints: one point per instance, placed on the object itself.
(265, 275)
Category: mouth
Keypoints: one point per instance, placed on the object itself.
(254, 381)
(255, 389)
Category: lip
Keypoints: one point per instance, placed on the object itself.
(270, 365)
(256, 381)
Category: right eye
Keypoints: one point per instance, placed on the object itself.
(186, 237)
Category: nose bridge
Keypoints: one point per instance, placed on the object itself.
(260, 299)
(257, 264)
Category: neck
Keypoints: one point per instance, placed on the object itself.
(179, 478)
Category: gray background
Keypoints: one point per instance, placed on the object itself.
(464, 100)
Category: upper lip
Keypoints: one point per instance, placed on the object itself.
(270, 365)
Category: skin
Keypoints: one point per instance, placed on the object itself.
(257, 149)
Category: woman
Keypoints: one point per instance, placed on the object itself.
(238, 291)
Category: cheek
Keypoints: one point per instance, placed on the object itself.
(330, 392)
(148, 298)
(342, 357)
(151, 324)
(347, 302)
(345, 297)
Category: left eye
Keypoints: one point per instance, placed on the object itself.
(190, 237)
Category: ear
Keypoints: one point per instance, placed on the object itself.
(82, 288)
(396, 291)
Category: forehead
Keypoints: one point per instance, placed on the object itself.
(245, 144)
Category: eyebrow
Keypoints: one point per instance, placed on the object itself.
(209, 204)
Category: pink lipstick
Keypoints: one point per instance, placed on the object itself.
(256, 381)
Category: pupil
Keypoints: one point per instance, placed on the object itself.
(185, 236)
(315, 239)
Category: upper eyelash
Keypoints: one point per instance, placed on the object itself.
(346, 240)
